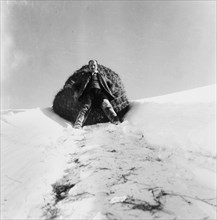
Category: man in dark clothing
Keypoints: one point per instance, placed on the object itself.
(95, 89)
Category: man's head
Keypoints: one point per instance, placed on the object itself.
(93, 66)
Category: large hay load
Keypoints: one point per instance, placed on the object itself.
(66, 104)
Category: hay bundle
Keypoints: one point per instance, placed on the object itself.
(67, 106)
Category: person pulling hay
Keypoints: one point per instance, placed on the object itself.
(93, 94)
(95, 89)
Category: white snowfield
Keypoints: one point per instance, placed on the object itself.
(159, 163)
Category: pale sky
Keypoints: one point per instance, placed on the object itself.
(157, 47)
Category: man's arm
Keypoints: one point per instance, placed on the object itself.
(71, 83)
(110, 84)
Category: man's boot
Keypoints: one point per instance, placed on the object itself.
(110, 112)
(82, 115)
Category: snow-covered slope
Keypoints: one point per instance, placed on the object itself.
(204, 94)
(159, 163)
(186, 119)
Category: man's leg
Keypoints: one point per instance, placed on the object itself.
(82, 115)
(110, 112)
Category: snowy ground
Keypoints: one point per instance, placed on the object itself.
(160, 163)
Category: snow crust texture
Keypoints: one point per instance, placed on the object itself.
(160, 163)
